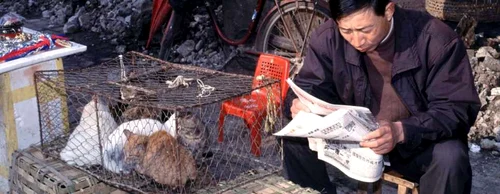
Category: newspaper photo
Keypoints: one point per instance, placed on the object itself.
(335, 131)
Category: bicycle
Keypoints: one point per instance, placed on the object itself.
(284, 30)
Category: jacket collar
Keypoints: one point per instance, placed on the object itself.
(405, 52)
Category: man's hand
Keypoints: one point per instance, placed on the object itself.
(385, 138)
(298, 106)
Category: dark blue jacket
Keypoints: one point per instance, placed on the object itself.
(431, 73)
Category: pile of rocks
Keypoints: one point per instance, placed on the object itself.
(116, 20)
(121, 22)
(201, 46)
(486, 65)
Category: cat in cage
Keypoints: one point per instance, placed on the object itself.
(115, 142)
(160, 157)
(82, 147)
(191, 133)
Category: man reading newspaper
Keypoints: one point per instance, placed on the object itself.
(412, 71)
(336, 136)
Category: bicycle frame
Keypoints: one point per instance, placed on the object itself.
(277, 7)
(255, 17)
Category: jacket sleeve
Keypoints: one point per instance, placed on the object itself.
(315, 77)
(453, 102)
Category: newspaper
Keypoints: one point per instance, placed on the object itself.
(334, 131)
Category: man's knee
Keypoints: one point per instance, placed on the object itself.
(295, 145)
(449, 170)
(451, 154)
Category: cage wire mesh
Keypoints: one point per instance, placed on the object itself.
(149, 126)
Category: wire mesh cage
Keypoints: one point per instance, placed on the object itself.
(149, 126)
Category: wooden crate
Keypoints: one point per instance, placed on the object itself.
(32, 173)
(391, 177)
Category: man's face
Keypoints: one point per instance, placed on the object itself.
(364, 30)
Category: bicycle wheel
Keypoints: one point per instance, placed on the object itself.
(273, 36)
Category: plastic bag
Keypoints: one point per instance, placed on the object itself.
(11, 20)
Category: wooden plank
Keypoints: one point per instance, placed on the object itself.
(398, 181)
(401, 189)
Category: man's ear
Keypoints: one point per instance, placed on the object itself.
(390, 8)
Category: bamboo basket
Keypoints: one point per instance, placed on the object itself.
(454, 10)
(270, 184)
(417, 5)
(32, 173)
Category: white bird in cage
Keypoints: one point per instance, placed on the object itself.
(96, 123)
(170, 125)
(113, 147)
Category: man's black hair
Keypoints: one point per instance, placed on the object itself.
(342, 8)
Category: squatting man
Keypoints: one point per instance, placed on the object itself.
(412, 71)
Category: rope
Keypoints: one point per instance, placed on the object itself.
(206, 90)
(271, 111)
(179, 81)
(123, 72)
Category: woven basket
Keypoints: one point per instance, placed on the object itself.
(270, 184)
(31, 173)
(418, 5)
(454, 10)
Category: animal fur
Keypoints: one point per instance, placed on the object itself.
(140, 112)
(160, 157)
(113, 147)
(191, 133)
